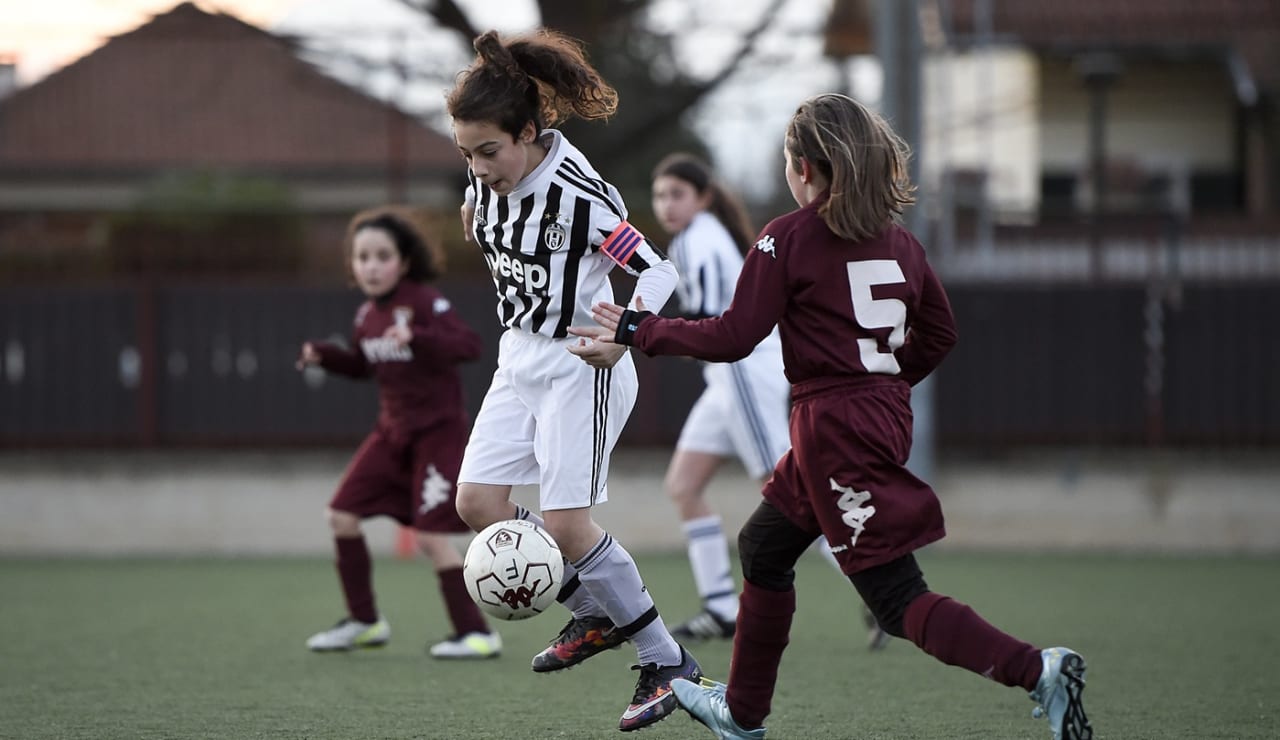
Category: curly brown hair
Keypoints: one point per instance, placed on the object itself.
(543, 77)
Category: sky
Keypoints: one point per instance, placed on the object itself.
(742, 123)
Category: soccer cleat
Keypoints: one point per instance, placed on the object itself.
(877, 638)
(1058, 694)
(471, 646)
(706, 702)
(350, 634)
(705, 625)
(653, 699)
(580, 639)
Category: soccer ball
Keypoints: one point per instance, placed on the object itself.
(513, 569)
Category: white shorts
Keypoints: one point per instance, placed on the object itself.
(744, 411)
(549, 419)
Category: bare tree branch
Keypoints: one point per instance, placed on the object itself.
(640, 130)
(447, 14)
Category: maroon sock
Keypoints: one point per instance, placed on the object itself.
(955, 634)
(463, 612)
(355, 570)
(764, 629)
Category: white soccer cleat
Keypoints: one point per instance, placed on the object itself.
(350, 634)
(471, 646)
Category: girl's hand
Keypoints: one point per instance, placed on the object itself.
(595, 347)
(308, 356)
(400, 333)
(609, 314)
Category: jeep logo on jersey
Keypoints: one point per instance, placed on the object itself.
(525, 271)
(554, 236)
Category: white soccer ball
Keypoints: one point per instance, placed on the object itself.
(513, 569)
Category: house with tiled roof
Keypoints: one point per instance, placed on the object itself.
(199, 92)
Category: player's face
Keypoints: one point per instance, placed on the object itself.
(496, 158)
(795, 180)
(676, 202)
(376, 262)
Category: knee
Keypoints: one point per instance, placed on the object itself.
(473, 509)
(888, 590)
(343, 523)
(765, 572)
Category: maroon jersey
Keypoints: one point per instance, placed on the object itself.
(419, 386)
(860, 322)
(844, 310)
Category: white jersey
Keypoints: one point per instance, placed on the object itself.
(708, 262)
(743, 410)
(552, 241)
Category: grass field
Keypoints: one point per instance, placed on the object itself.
(1179, 649)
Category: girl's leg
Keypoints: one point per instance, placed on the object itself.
(944, 628)
(769, 546)
(609, 575)
(464, 615)
(481, 504)
(354, 565)
(685, 484)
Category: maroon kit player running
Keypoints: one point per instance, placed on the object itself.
(862, 318)
(409, 339)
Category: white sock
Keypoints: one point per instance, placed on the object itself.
(609, 574)
(578, 600)
(709, 559)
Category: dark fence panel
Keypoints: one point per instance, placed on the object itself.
(1223, 365)
(212, 364)
(70, 365)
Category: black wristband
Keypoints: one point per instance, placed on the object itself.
(628, 324)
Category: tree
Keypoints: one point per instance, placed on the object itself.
(656, 94)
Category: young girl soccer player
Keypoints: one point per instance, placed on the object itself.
(743, 409)
(410, 341)
(551, 229)
(862, 318)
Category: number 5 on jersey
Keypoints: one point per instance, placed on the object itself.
(877, 313)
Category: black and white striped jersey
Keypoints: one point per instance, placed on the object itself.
(709, 263)
(552, 241)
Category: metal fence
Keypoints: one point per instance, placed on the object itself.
(1039, 362)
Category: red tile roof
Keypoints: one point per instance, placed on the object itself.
(192, 88)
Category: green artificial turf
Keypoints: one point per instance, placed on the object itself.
(1178, 648)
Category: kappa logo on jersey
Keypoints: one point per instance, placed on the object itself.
(435, 490)
(766, 245)
(523, 270)
(554, 235)
(385, 349)
(855, 515)
(440, 305)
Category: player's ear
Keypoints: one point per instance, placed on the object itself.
(806, 171)
(528, 133)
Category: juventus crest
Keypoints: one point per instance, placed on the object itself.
(554, 235)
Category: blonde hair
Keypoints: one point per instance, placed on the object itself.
(862, 158)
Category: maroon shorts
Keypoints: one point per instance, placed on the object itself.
(413, 481)
(846, 477)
